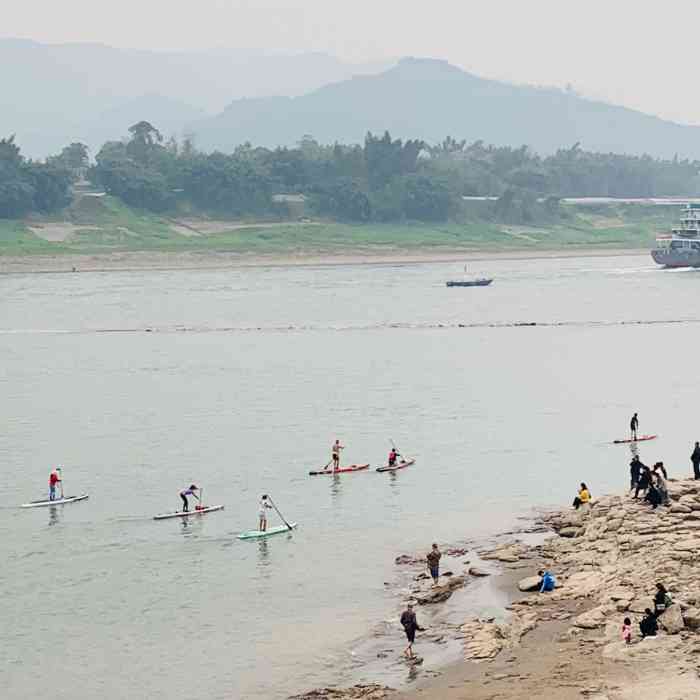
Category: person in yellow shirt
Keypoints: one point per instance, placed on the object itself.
(584, 496)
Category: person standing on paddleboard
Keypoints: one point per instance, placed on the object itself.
(262, 515)
(191, 491)
(54, 478)
(634, 424)
(335, 454)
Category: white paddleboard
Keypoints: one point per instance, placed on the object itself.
(255, 534)
(56, 502)
(187, 513)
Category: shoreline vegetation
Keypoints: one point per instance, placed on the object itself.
(607, 559)
(97, 233)
(384, 195)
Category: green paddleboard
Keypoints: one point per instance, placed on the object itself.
(256, 534)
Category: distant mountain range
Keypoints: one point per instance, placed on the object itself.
(430, 99)
(54, 94)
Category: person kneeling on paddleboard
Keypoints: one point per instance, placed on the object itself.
(191, 491)
(262, 515)
(54, 479)
(392, 457)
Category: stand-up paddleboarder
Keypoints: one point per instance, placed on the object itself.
(54, 478)
(634, 424)
(190, 491)
(335, 454)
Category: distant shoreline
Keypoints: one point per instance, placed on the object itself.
(134, 261)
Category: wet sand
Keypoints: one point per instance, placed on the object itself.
(142, 260)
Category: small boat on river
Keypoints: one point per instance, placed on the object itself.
(473, 282)
(479, 282)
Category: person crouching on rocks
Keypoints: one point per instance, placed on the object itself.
(410, 626)
(644, 481)
(648, 626)
(660, 477)
(548, 582)
(433, 560)
(584, 496)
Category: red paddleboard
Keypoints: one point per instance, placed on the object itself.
(399, 465)
(342, 470)
(641, 438)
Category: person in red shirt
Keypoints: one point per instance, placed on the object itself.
(54, 478)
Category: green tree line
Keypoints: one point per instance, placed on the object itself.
(383, 179)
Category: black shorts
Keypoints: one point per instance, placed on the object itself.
(410, 635)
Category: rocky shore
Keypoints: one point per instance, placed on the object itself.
(607, 559)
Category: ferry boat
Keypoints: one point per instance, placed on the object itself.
(682, 247)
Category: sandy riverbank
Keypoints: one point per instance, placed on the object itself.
(567, 644)
(144, 260)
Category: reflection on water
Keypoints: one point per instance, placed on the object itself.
(53, 516)
(264, 557)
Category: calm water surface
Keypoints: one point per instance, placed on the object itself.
(239, 380)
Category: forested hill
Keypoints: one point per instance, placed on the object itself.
(426, 99)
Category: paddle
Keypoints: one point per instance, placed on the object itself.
(272, 503)
(60, 473)
(199, 498)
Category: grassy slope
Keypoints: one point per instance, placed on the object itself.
(111, 226)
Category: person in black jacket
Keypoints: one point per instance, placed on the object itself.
(644, 480)
(635, 470)
(648, 626)
(695, 459)
(410, 626)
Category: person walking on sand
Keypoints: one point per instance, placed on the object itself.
(335, 454)
(695, 459)
(410, 626)
(433, 560)
(262, 513)
(634, 424)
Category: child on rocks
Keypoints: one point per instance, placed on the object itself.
(627, 630)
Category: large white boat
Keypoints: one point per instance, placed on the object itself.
(682, 247)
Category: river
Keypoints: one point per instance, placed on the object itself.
(139, 383)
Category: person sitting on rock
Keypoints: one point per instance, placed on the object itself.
(653, 496)
(662, 600)
(648, 626)
(548, 582)
(584, 496)
(660, 477)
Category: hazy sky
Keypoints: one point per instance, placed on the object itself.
(634, 52)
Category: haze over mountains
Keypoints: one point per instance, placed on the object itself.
(57, 94)
(54, 94)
